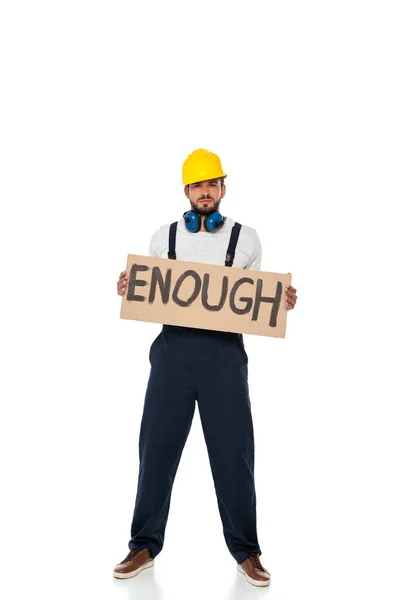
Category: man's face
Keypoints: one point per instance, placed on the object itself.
(205, 196)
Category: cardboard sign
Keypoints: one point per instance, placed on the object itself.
(191, 294)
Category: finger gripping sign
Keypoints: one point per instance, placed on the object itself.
(190, 294)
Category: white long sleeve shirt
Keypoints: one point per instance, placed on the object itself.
(210, 248)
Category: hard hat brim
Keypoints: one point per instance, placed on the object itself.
(197, 180)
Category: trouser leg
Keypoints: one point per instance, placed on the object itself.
(225, 412)
(167, 416)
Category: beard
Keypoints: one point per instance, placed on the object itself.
(205, 210)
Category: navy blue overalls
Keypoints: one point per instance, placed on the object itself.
(189, 364)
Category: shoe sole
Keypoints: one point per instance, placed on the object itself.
(133, 573)
(254, 581)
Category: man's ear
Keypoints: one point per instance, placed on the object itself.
(223, 190)
(187, 191)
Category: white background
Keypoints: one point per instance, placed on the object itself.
(101, 102)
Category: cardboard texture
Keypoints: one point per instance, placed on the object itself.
(191, 294)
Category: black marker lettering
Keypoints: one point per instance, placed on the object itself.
(249, 301)
(165, 286)
(133, 282)
(204, 293)
(196, 291)
(276, 301)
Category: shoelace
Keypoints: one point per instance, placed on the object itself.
(255, 561)
(131, 555)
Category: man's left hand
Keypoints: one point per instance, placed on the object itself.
(290, 297)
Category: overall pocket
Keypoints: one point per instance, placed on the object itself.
(242, 348)
(153, 345)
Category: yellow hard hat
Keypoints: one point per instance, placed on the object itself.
(201, 165)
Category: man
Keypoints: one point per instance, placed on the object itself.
(189, 364)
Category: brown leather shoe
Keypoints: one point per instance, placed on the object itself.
(254, 572)
(133, 564)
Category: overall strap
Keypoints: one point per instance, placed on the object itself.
(172, 240)
(230, 255)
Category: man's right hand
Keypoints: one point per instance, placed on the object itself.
(122, 283)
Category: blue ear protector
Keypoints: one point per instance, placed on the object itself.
(212, 222)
